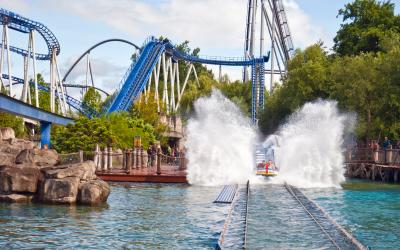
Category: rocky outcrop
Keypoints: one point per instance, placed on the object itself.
(62, 184)
(16, 198)
(37, 157)
(10, 148)
(31, 174)
(22, 179)
(63, 190)
(93, 192)
(84, 171)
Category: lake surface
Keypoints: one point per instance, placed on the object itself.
(175, 216)
(368, 210)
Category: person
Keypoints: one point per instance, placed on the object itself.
(386, 143)
(267, 166)
(261, 165)
(398, 144)
(374, 145)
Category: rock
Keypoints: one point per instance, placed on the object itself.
(83, 171)
(16, 198)
(45, 158)
(23, 179)
(25, 157)
(7, 159)
(7, 133)
(93, 192)
(38, 157)
(60, 190)
(14, 147)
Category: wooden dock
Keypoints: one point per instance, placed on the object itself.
(169, 174)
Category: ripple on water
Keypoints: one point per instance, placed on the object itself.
(140, 216)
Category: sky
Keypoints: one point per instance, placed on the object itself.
(215, 26)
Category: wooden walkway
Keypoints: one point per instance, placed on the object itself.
(169, 174)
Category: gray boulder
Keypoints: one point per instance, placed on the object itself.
(59, 190)
(22, 179)
(93, 192)
(83, 171)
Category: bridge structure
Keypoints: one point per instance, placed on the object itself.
(153, 60)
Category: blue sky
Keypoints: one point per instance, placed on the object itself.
(216, 26)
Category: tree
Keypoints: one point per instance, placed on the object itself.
(117, 130)
(365, 24)
(14, 122)
(92, 98)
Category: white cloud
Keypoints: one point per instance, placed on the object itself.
(304, 30)
(217, 23)
(19, 6)
(106, 75)
(216, 26)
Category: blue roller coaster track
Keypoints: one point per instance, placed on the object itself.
(72, 102)
(137, 75)
(25, 25)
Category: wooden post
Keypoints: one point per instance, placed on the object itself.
(389, 154)
(141, 157)
(128, 160)
(96, 157)
(133, 158)
(109, 158)
(124, 156)
(80, 156)
(104, 160)
(158, 162)
(137, 157)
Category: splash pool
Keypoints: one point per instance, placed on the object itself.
(149, 216)
(138, 216)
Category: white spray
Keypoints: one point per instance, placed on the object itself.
(220, 143)
(308, 149)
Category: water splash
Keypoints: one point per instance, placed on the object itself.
(308, 149)
(220, 143)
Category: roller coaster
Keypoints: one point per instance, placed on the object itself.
(156, 58)
(152, 54)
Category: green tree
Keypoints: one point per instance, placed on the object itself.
(14, 122)
(365, 24)
(117, 130)
(92, 98)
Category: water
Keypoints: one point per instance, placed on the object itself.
(220, 143)
(369, 211)
(138, 216)
(153, 216)
(308, 148)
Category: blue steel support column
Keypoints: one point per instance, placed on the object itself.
(261, 100)
(45, 128)
(254, 94)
